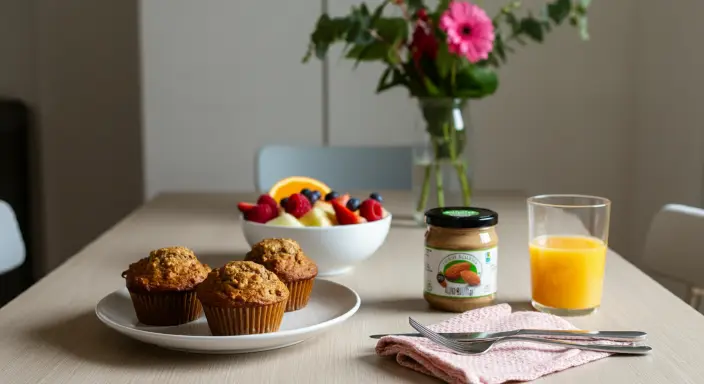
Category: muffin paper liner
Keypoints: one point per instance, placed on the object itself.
(299, 293)
(163, 309)
(244, 321)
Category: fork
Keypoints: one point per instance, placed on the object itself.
(480, 347)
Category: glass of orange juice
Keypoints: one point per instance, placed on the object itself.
(568, 240)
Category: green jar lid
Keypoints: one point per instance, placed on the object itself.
(461, 217)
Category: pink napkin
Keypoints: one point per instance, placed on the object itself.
(511, 361)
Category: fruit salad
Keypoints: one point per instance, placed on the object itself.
(305, 202)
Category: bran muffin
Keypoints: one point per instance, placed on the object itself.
(242, 298)
(162, 286)
(285, 258)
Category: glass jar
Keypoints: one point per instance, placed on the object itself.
(442, 176)
(461, 258)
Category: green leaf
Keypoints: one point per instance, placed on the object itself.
(358, 32)
(574, 20)
(378, 11)
(396, 79)
(327, 31)
(321, 49)
(476, 81)
(364, 10)
(444, 60)
(486, 78)
(559, 10)
(513, 22)
(430, 87)
(532, 28)
(392, 53)
(309, 53)
(443, 5)
(370, 52)
(391, 28)
(499, 47)
(383, 79)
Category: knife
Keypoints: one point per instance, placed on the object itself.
(569, 334)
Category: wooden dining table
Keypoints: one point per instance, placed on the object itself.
(50, 333)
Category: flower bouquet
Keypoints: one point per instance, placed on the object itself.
(444, 56)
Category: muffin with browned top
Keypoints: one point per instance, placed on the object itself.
(242, 298)
(162, 286)
(285, 258)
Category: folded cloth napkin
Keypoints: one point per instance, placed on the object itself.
(511, 361)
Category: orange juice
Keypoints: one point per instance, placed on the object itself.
(567, 272)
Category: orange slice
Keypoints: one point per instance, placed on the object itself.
(294, 184)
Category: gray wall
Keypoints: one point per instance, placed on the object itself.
(76, 63)
(667, 142)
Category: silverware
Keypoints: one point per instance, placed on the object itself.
(630, 336)
(479, 347)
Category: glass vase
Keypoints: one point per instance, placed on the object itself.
(441, 174)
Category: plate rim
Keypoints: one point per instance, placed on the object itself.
(260, 336)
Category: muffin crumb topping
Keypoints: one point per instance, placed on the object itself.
(285, 258)
(166, 269)
(242, 283)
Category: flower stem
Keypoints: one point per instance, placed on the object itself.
(450, 138)
(423, 201)
(438, 174)
(439, 184)
(466, 189)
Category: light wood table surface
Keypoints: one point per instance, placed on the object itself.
(50, 333)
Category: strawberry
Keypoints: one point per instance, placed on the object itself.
(371, 210)
(344, 216)
(261, 213)
(298, 205)
(245, 207)
(343, 199)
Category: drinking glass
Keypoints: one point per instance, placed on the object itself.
(568, 237)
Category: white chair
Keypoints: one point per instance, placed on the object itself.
(675, 248)
(12, 249)
(343, 168)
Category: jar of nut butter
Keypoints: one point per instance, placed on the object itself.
(461, 255)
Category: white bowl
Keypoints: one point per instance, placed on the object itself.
(336, 250)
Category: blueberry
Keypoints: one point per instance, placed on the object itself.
(353, 204)
(331, 196)
(305, 192)
(284, 201)
(315, 196)
(377, 197)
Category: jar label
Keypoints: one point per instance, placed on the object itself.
(461, 274)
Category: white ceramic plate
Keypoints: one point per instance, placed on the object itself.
(329, 304)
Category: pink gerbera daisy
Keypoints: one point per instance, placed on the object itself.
(469, 30)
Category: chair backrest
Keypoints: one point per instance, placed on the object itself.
(342, 168)
(675, 244)
(12, 249)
